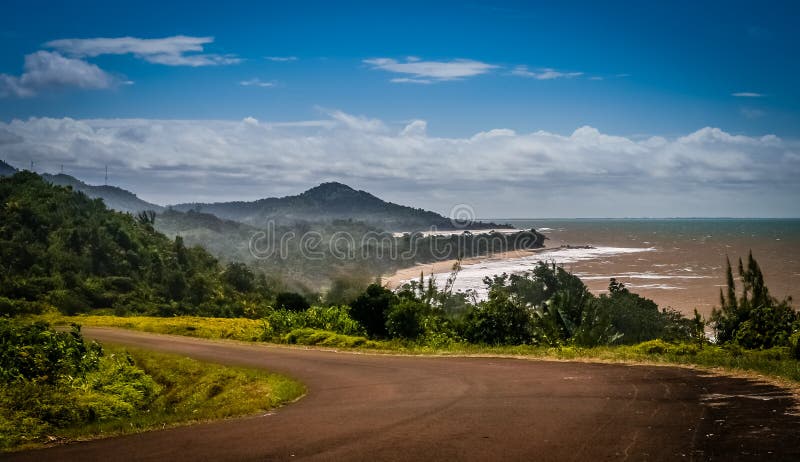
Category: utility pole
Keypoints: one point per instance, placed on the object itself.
(106, 174)
(31, 165)
(62, 169)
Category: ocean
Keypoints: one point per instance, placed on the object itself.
(678, 263)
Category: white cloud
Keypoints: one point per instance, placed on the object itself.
(544, 74)
(430, 71)
(499, 172)
(415, 128)
(407, 80)
(179, 50)
(358, 123)
(47, 70)
(747, 94)
(281, 59)
(256, 83)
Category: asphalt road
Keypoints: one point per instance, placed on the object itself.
(375, 407)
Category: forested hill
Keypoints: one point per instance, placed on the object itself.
(115, 198)
(6, 170)
(326, 203)
(59, 247)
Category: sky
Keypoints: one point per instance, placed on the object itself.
(509, 109)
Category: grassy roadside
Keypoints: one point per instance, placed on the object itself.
(159, 390)
(775, 362)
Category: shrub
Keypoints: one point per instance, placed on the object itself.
(371, 308)
(406, 319)
(325, 338)
(654, 347)
(291, 301)
(794, 345)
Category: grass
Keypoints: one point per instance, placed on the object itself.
(776, 362)
(173, 390)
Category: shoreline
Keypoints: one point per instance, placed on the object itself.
(395, 280)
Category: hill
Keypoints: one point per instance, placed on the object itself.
(6, 170)
(329, 202)
(115, 198)
(60, 247)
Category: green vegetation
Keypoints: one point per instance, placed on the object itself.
(62, 249)
(59, 248)
(755, 320)
(326, 203)
(57, 387)
(62, 253)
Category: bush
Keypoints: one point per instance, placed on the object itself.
(371, 308)
(291, 301)
(325, 338)
(36, 353)
(11, 308)
(406, 319)
(499, 321)
(68, 302)
(654, 347)
(794, 345)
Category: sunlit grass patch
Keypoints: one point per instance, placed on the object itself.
(136, 390)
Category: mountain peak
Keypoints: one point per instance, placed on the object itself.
(330, 190)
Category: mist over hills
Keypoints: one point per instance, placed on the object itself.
(323, 204)
(114, 197)
(326, 203)
(6, 170)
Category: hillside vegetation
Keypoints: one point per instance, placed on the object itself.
(330, 202)
(57, 387)
(61, 248)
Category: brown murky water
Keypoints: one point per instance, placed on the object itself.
(676, 262)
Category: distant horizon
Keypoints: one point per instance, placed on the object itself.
(553, 110)
(496, 220)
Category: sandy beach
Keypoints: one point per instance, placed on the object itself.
(395, 280)
(679, 266)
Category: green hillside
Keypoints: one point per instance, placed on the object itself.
(329, 202)
(60, 247)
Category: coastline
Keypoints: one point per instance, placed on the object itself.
(395, 280)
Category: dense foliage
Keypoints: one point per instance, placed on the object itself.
(59, 247)
(303, 256)
(55, 386)
(52, 380)
(755, 319)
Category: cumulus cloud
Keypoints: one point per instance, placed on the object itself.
(67, 66)
(430, 71)
(498, 171)
(179, 50)
(48, 70)
(543, 74)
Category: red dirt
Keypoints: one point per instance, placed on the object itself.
(376, 407)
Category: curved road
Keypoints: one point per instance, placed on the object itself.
(373, 407)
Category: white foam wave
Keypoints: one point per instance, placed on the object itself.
(471, 276)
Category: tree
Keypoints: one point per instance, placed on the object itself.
(239, 276)
(756, 319)
(291, 301)
(371, 309)
(406, 319)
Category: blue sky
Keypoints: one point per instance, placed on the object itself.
(630, 69)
